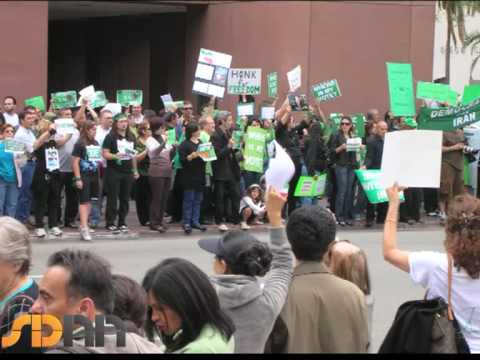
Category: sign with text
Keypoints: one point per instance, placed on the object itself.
(294, 77)
(211, 73)
(37, 102)
(245, 109)
(400, 87)
(244, 81)
(327, 90)
(207, 152)
(370, 181)
(432, 91)
(64, 100)
(272, 85)
(311, 186)
(65, 126)
(254, 149)
(14, 146)
(129, 97)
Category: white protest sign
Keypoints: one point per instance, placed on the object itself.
(125, 149)
(412, 158)
(211, 73)
(214, 58)
(14, 146)
(244, 81)
(114, 108)
(167, 98)
(152, 144)
(353, 144)
(280, 169)
(295, 78)
(86, 93)
(65, 126)
(204, 71)
(52, 159)
(267, 112)
(246, 109)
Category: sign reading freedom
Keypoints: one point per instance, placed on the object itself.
(450, 118)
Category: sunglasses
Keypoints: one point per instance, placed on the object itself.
(345, 123)
(9, 131)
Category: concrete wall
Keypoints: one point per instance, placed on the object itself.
(346, 40)
(23, 58)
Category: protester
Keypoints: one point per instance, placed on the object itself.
(10, 176)
(252, 208)
(85, 172)
(186, 310)
(429, 269)
(9, 114)
(207, 126)
(17, 291)
(143, 195)
(118, 175)
(239, 260)
(339, 323)
(193, 179)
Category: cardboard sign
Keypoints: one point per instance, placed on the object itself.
(375, 192)
(86, 93)
(267, 112)
(244, 81)
(359, 121)
(272, 85)
(64, 100)
(129, 97)
(207, 152)
(114, 108)
(245, 109)
(327, 90)
(37, 102)
(211, 73)
(14, 146)
(470, 93)
(311, 186)
(52, 159)
(99, 99)
(94, 153)
(65, 126)
(294, 77)
(166, 98)
(298, 102)
(400, 86)
(125, 149)
(254, 149)
(353, 144)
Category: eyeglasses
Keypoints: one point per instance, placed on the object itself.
(345, 123)
(9, 131)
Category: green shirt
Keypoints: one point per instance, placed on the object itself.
(210, 341)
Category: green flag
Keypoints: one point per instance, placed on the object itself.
(129, 97)
(272, 85)
(432, 91)
(470, 93)
(369, 179)
(254, 149)
(400, 86)
(36, 102)
(64, 100)
(449, 118)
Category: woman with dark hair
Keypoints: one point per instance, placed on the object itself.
(121, 163)
(239, 259)
(85, 158)
(186, 310)
(142, 191)
(160, 172)
(345, 164)
(430, 269)
(193, 178)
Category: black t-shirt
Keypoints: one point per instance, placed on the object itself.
(80, 151)
(193, 175)
(289, 139)
(41, 165)
(110, 143)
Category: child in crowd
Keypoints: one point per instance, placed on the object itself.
(252, 208)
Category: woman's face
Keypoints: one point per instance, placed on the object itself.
(8, 273)
(166, 320)
(255, 194)
(255, 124)
(8, 133)
(91, 132)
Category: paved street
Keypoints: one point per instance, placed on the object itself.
(133, 254)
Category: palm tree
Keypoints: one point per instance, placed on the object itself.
(473, 41)
(455, 12)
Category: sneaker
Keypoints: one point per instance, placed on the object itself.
(113, 229)
(40, 232)
(199, 227)
(85, 234)
(433, 213)
(123, 228)
(244, 226)
(55, 231)
(342, 223)
(223, 227)
(259, 222)
(187, 229)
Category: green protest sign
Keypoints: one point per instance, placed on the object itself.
(14, 146)
(452, 98)
(36, 102)
(129, 97)
(64, 99)
(359, 121)
(369, 179)
(470, 93)
(207, 152)
(400, 87)
(272, 85)
(432, 91)
(99, 100)
(254, 149)
(449, 118)
(171, 137)
(237, 139)
(311, 186)
(326, 90)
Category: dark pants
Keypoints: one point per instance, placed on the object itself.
(118, 190)
(230, 188)
(192, 201)
(344, 201)
(47, 199)
(410, 208)
(292, 200)
(207, 208)
(143, 197)
(380, 209)
(331, 188)
(159, 188)
(71, 198)
(430, 200)
(175, 199)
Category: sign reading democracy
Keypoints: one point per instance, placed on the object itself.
(244, 81)
(369, 179)
(254, 149)
(326, 90)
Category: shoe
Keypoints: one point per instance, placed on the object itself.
(85, 234)
(71, 225)
(113, 229)
(349, 223)
(123, 228)
(244, 226)
(368, 224)
(411, 222)
(342, 223)
(259, 222)
(55, 231)
(40, 232)
(187, 229)
(223, 227)
(199, 227)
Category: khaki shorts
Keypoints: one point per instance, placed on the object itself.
(451, 182)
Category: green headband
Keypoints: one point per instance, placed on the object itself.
(120, 117)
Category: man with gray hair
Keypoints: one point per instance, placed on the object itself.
(17, 291)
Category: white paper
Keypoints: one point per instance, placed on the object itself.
(65, 126)
(245, 109)
(412, 158)
(353, 144)
(86, 93)
(125, 148)
(217, 91)
(152, 144)
(52, 159)
(204, 71)
(280, 170)
(295, 78)
(166, 98)
(268, 112)
(245, 77)
(200, 87)
(114, 108)
(215, 58)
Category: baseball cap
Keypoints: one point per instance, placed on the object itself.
(229, 246)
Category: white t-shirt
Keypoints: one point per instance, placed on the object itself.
(430, 269)
(100, 135)
(27, 137)
(65, 151)
(11, 119)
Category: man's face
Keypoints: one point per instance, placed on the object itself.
(8, 105)
(66, 114)
(29, 120)
(376, 115)
(382, 129)
(53, 298)
(106, 120)
(136, 109)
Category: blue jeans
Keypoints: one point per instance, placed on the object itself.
(308, 200)
(8, 198)
(192, 201)
(24, 202)
(344, 201)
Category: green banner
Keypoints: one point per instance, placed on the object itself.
(272, 85)
(64, 100)
(99, 100)
(400, 86)
(359, 121)
(449, 118)
(432, 91)
(37, 102)
(311, 186)
(327, 90)
(254, 149)
(470, 93)
(369, 179)
(129, 97)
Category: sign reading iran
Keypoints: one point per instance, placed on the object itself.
(244, 81)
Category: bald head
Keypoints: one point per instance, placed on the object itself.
(381, 128)
(373, 115)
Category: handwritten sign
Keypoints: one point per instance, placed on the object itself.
(244, 81)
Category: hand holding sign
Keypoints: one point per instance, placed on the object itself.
(280, 169)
